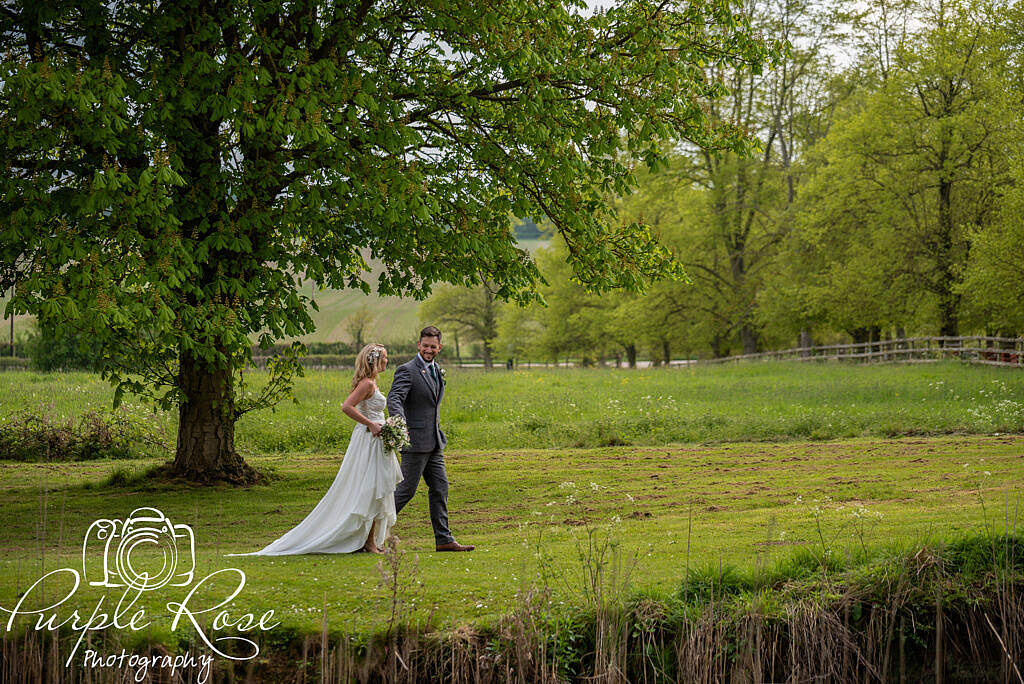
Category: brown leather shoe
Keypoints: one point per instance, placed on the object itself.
(454, 546)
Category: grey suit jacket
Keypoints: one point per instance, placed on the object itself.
(414, 396)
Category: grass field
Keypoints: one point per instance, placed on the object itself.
(739, 465)
(751, 504)
(546, 408)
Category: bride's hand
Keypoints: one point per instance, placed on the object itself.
(375, 429)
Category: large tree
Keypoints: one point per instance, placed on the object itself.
(173, 169)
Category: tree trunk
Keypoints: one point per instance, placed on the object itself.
(949, 299)
(206, 426)
(805, 340)
(488, 363)
(718, 346)
(631, 355)
(948, 315)
(748, 336)
(666, 352)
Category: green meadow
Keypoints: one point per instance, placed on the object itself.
(569, 408)
(681, 469)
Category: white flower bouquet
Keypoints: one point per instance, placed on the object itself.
(394, 433)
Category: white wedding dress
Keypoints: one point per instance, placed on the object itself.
(363, 491)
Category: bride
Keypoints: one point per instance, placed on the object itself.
(358, 510)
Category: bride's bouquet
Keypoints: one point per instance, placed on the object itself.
(394, 433)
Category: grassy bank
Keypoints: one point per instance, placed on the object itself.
(557, 408)
(950, 611)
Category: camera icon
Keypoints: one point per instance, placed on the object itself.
(144, 551)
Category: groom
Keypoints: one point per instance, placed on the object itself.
(416, 394)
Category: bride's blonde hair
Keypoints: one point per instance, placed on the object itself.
(369, 362)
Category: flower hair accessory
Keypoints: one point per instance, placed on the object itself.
(373, 355)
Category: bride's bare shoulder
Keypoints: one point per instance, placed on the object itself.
(365, 389)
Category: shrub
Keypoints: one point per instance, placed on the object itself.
(13, 363)
(316, 361)
(52, 346)
(40, 435)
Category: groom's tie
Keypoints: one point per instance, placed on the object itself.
(433, 374)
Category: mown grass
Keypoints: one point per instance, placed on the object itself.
(548, 408)
(681, 511)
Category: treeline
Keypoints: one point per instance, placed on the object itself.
(885, 201)
(51, 347)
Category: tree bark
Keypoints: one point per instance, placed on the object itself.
(748, 337)
(488, 362)
(206, 426)
(717, 346)
(948, 315)
(631, 355)
(949, 300)
(666, 352)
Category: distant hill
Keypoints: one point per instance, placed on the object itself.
(396, 318)
(527, 229)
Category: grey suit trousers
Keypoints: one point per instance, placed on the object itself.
(430, 466)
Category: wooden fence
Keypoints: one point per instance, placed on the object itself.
(993, 351)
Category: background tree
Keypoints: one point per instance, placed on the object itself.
(914, 160)
(730, 211)
(174, 171)
(471, 311)
(564, 326)
(51, 347)
(833, 272)
(742, 209)
(664, 318)
(518, 331)
(882, 202)
(993, 282)
(358, 325)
